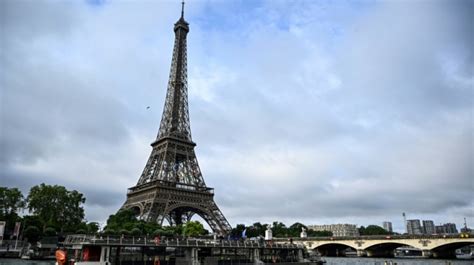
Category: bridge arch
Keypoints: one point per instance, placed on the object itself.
(384, 249)
(391, 243)
(447, 249)
(334, 249)
(436, 246)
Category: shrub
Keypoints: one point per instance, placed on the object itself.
(136, 231)
(49, 231)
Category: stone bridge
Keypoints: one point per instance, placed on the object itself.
(383, 246)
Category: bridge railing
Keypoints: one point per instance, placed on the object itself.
(372, 237)
(173, 242)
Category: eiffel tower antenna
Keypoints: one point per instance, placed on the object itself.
(171, 186)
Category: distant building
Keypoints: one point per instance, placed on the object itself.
(387, 226)
(339, 230)
(451, 228)
(414, 227)
(429, 227)
(440, 229)
(448, 228)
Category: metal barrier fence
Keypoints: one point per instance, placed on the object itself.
(173, 242)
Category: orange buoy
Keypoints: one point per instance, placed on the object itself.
(61, 256)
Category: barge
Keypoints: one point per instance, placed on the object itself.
(120, 250)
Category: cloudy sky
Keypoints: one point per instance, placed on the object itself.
(312, 111)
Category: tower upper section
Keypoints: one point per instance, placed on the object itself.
(175, 119)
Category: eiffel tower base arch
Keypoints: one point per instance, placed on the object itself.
(159, 202)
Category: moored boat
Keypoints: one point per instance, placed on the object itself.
(465, 252)
(93, 250)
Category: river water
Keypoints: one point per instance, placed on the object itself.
(381, 261)
(330, 261)
(25, 262)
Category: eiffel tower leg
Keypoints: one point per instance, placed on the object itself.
(155, 213)
(188, 216)
(177, 217)
(216, 219)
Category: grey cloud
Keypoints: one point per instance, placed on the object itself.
(324, 113)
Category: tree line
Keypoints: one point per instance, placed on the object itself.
(279, 229)
(125, 222)
(54, 210)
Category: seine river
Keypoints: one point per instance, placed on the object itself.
(381, 261)
(330, 261)
(24, 262)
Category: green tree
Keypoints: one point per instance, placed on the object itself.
(162, 232)
(49, 231)
(123, 219)
(11, 200)
(251, 231)
(295, 229)
(127, 220)
(236, 232)
(92, 227)
(174, 230)
(109, 231)
(372, 230)
(32, 234)
(31, 220)
(136, 231)
(312, 233)
(193, 229)
(259, 229)
(56, 206)
(279, 229)
(124, 232)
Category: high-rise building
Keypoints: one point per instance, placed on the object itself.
(448, 228)
(429, 227)
(440, 229)
(414, 227)
(339, 230)
(451, 228)
(405, 220)
(387, 226)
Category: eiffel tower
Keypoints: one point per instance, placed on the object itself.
(171, 186)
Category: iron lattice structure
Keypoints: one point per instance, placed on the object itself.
(171, 186)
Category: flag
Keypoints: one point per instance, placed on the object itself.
(244, 233)
(16, 231)
(2, 230)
